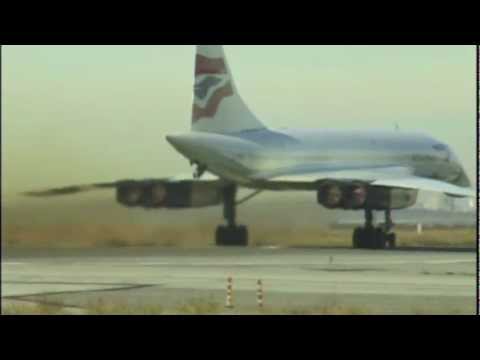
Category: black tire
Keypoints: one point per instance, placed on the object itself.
(365, 238)
(370, 238)
(357, 238)
(242, 236)
(231, 236)
(379, 239)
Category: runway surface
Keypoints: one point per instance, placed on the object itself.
(379, 282)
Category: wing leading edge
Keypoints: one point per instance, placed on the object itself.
(78, 189)
(71, 190)
(394, 177)
(419, 183)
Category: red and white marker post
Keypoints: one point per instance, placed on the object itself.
(260, 294)
(229, 302)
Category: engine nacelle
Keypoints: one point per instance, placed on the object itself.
(342, 196)
(130, 193)
(331, 196)
(356, 196)
(382, 198)
(156, 194)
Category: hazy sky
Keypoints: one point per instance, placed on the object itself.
(80, 114)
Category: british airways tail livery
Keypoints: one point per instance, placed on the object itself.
(217, 105)
(352, 170)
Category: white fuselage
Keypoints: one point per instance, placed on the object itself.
(238, 157)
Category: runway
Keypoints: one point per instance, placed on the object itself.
(377, 282)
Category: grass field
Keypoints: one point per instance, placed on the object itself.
(196, 307)
(96, 224)
(92, 222)
(198, 236)
(192, 307)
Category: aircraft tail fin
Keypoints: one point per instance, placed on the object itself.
(217, 106)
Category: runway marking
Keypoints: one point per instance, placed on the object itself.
(70, 283)
(124, 287)
(260, 264)
(12, 263)
(285, 264)
(448, 261)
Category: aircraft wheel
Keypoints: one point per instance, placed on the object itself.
(231, 236)
(379, 239)
(358, 238)
(369, 238)
(363, 238)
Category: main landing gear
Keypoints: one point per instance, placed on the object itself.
(370, 237)
(231, 234)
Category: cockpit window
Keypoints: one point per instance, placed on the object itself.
(440, 147)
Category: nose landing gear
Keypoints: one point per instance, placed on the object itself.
(231, 234)
(370, 237)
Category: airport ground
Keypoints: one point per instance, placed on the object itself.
(111, 261)
(158, 280)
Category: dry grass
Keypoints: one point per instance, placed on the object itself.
(200, 307)
(21, 310)
(211, 307)
(194, 306)
(102, 307)
(98, 236)
(312, 237)
(317, 310)
(418, 310)
(197, 236)
(191, 307)
(33, 309)
(460, 237)
(94, 223)
(203, 306)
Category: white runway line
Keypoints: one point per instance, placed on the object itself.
(12, 263)
(270, 264)
(433, 262)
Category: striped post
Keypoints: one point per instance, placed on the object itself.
(229, 302)
(260, 294)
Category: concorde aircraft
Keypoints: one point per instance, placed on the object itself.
(230, 148)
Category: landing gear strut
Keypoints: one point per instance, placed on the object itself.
(199, 171)
(231, 234)
(370, 237)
